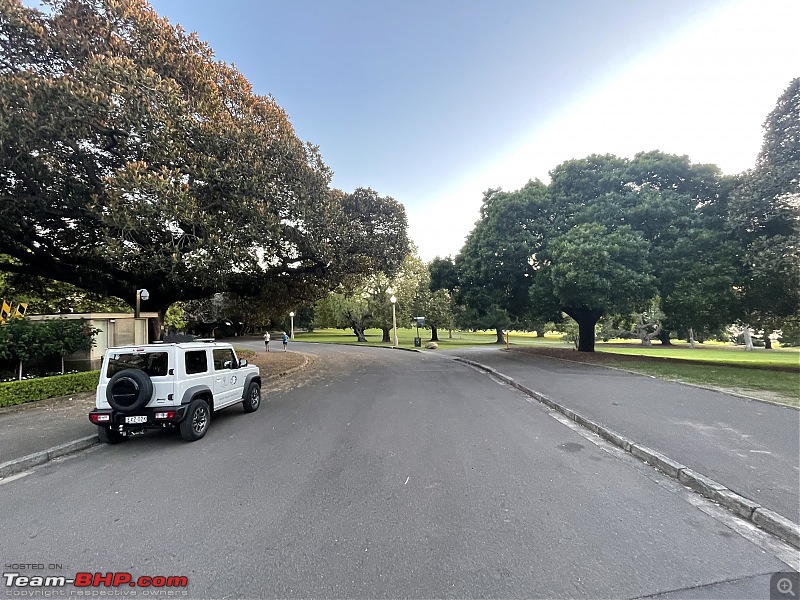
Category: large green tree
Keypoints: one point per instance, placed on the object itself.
(676, 206)
(525, 258)
(592, 272)
(133, 159)
(680, 210)
(500, 256)
(765, 221)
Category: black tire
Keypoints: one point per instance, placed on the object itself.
(129, 390)
(109, 436)
(197, 420)
(252, 399)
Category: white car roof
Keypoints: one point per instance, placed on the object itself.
(197, 345)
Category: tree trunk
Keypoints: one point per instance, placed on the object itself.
(587, 320)
(450, 334)
(358, 329)
(387, 339)
(19, 377)
(500, 339)
(663, 335)
(691, 337)
(539, 333)
(767, 343)
(434, 334)
(62, 364)
(155, 325)
(748, 340)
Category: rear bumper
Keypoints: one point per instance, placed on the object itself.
(147, 418)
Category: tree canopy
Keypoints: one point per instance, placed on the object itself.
(765, 218)
(604, 237)
(499, 258)
(133, 159)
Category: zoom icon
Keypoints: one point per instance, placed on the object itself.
(784, 586)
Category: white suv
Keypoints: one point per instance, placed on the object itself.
(155, 386)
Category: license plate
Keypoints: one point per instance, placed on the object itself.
(136, 419)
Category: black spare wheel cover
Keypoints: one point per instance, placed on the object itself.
(129, 390)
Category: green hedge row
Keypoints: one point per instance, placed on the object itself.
(28, 390)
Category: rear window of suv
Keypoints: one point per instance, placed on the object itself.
(155, 364)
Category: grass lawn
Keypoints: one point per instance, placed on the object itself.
(405, 337)
(783, 357)
(780, 387)
(728, 368)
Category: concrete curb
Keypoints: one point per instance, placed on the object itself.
(770, 521)
(18, 465)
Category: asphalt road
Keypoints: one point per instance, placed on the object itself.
(751, 447)
(382, 474)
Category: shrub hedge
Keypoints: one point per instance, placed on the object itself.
(28, 390)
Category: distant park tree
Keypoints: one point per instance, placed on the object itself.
(437, 309)
(592, 272)
(132, 158)
(443, 274)
(662, 201)
(366, 303)
(698, 282)
(499, 258)
(443, 285)
(765, 221)
(345, 311)
(676, 206)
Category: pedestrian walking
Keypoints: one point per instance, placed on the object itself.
(266, 340)
(285, 341)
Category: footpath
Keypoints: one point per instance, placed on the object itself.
(742, 453)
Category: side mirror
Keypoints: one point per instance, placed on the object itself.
(242, 362)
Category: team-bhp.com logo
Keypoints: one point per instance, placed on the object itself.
(157, 583)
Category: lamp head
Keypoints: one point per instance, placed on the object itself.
(392, 299)
(143, 294)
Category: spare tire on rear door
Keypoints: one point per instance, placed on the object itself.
(129, 390)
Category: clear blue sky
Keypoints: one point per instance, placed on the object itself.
(432, 102)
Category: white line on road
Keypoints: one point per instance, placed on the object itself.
(11, 478)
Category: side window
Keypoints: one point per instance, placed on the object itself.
(196, 362)
(224, 359)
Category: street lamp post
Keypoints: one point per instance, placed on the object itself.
(394, 322)
(142, 294)
(291, 316)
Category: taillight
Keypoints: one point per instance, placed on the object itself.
(168, 414)
(99, 417)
